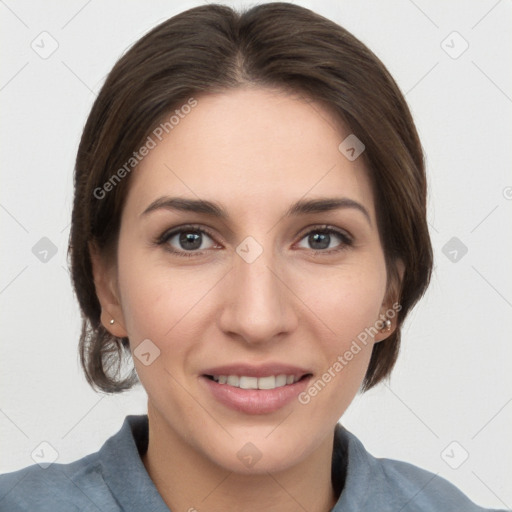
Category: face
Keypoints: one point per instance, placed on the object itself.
(253, 289)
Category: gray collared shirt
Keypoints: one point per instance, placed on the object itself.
(114, 479)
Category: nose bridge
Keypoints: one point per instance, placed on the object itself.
(257, 305)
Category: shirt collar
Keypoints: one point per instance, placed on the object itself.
(129, 482)
(123, 470)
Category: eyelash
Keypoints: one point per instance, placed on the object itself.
(324, 229)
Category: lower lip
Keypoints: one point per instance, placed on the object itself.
(255, 401)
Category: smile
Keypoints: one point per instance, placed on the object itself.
(248, 382)
(255, 390)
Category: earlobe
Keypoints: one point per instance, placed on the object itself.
(111, 323)
(386, 327)
(106, 291)
(387, 322)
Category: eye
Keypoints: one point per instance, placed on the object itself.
(186, 239)
(193, 240)
(321, 238)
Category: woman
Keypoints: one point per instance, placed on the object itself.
(249, 224)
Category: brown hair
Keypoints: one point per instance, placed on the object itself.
(213, 48)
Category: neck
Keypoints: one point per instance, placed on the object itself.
(188, 481)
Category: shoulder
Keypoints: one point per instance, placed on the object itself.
(114, 479)
(78, 485)
(422, 490)
(388, 485)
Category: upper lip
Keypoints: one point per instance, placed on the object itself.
(264, 370)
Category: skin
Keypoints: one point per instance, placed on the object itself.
(254, 151)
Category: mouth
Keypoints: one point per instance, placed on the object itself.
(249, 382)
(255, 390)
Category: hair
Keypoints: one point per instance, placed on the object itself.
(214, 48)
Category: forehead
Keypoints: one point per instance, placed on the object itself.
(250, 147)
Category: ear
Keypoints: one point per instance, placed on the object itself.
(105, 282)
(391, 306)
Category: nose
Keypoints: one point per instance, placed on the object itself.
(258, 305)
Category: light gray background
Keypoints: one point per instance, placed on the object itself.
(453, 379)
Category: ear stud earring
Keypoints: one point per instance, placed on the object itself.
(387, 325)
(112, 321)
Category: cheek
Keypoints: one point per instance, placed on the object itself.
(346, 303)
(347, 309)
(347, 299)
(162, 303)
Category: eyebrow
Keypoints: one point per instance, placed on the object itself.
(301, 207)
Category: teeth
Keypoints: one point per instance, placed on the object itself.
(248, 382)
(245, 382)
(281, 381)
(267, 382)
(233, 380)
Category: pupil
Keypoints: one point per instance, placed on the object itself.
(190, 238)
(322, 238)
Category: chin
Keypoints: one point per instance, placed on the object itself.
(270, 462)
(256, 453)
